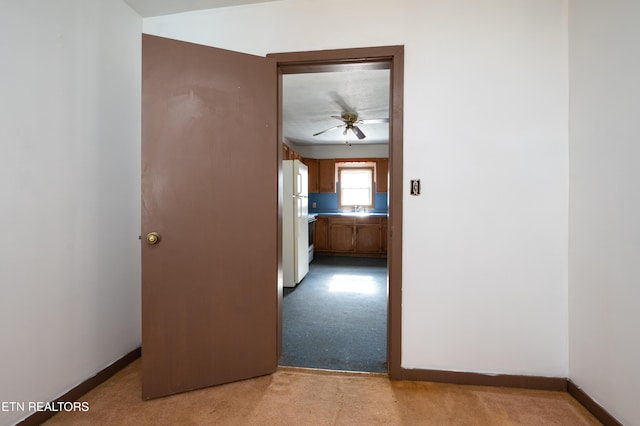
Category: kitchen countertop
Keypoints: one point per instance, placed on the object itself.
(354, 214)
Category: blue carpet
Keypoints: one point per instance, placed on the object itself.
(336, 318)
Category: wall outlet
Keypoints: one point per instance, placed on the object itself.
(313, 205)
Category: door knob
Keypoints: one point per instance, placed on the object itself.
(153, 238)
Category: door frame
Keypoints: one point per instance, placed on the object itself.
(367, 58)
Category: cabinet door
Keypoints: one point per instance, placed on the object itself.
(312, 166)
(383, 235)
(342, 238)
(321, 240)
(342, 234)
(368, 239)
(327, 175)
(382, 175)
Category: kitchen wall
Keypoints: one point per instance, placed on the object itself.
(486, 112)
(604, 232)
(328, 202)
(70, 185)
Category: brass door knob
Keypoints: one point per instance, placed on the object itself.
(153, 238)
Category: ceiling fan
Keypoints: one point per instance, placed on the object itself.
(350, 121)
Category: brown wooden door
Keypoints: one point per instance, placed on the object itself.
(209, 189)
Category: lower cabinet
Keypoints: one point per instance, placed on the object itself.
(321, 239)
(368, 239)
(351, 235)
(342, 234)
(385, 230)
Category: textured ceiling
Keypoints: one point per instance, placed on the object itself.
(309, 101)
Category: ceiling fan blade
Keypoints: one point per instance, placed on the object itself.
(374, 121)
(358, 132)
(341, 102)
(338, 117)
(328, 130)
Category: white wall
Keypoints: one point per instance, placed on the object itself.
(604, 237)
(69, 193)
(486, 112)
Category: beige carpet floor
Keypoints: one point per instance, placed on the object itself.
(307, 397)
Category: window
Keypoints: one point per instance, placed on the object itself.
(355, 187)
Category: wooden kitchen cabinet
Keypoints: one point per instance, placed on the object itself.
(384, 234)
(321, 239)
(351, 235)
(382, 175)
(289, 153)
(368, 235)
(342, 234)
(368, 239)
(322, 173)
(327, 175)
(312, 166)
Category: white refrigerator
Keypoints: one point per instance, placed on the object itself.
(295, 222)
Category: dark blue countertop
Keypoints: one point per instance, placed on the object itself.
(354, 214)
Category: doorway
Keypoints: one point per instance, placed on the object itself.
(391, 58)
(207, 318)
(336, 318)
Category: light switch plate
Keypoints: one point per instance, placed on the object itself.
(415, 187)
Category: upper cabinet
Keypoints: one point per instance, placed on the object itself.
(312, 166)
(322, 175)
(322, 172)
(327, 175)
(289, 154)
(382, 175)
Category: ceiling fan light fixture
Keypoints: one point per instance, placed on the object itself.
(349, 121)
(349, 117)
